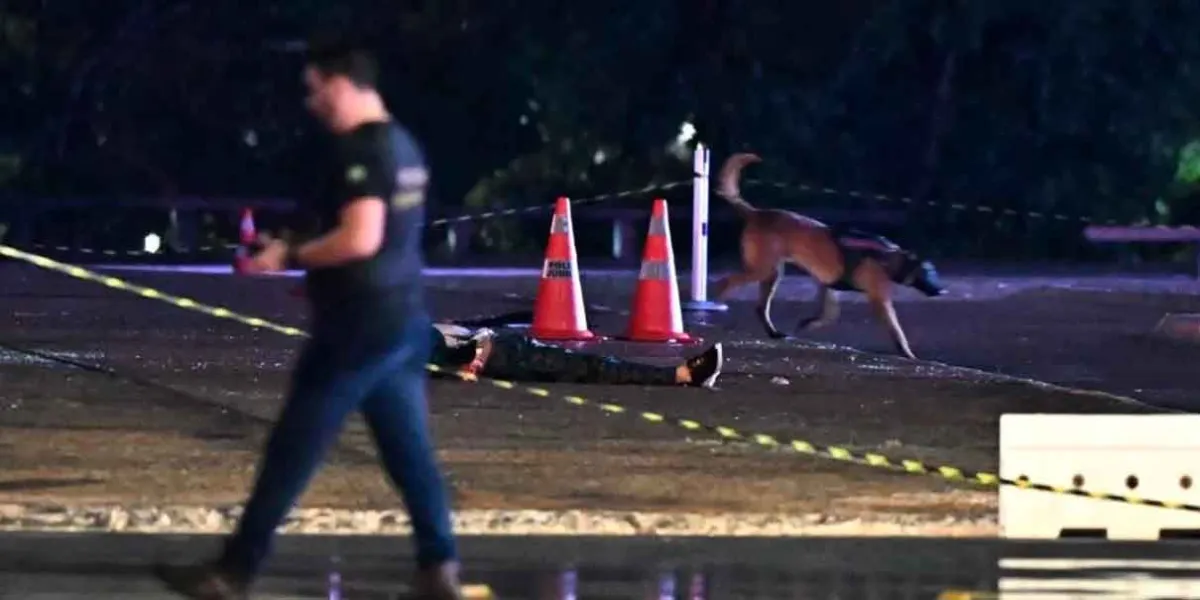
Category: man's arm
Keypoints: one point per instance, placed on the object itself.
(358, 235)
(370, 189)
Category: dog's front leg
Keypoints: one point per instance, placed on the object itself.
(827, 312)
(729, 283)
(886, 312)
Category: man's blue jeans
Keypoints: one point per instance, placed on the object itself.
(333, 377)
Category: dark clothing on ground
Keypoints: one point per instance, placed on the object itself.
(516, 357)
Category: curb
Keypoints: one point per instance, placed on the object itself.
(326, 521)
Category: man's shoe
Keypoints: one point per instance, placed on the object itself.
(201, 582)
(706, 368)
(438, 583)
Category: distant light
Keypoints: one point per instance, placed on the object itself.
(250, 137)
(679, 146)
(687, 132)
(599, 157)
(152, 244)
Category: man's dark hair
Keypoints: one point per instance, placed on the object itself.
(340, 57)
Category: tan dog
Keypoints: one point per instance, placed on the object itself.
(837, 259)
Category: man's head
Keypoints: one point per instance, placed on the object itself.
(918, 274)
(341, 79)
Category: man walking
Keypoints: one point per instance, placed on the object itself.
(370, 337)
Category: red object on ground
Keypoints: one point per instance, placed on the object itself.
(247, 236)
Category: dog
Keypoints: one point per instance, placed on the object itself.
(839, 259)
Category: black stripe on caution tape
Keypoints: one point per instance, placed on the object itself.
(729, 434)
(495, 214)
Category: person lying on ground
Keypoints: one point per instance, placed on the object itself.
(473, 349)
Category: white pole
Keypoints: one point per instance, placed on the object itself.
(700, 224)
(699, 288)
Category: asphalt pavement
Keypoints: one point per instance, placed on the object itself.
(1031, 329)
(67, 566)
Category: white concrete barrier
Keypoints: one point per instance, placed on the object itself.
(1089, 579)
(1147, 456)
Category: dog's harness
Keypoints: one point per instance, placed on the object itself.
(856, 246)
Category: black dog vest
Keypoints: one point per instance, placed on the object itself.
(856, 246)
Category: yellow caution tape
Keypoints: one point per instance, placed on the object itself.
(838, 453)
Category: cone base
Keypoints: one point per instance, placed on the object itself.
(704, 306)
(660, 338)
(564, 336)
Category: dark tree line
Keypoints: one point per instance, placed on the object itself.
(1080, 108)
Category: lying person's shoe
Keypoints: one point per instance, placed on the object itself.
(705, 368)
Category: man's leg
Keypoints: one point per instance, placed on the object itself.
(397, 415)
(320, 397)
(522, 359)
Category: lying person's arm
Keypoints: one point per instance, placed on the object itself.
(460, 350)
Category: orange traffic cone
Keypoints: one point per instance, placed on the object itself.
(558, 312)
(656, 314)
(247, 237)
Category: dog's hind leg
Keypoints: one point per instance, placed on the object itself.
(766, 293)
(827, 313)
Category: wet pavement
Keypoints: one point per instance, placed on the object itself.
(67, 566)
(1066, 336)
(198, 394)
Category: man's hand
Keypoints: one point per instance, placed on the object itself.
(271, 258)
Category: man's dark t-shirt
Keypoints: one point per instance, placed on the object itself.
(375, 297)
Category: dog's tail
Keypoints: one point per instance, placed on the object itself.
(729, 186)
